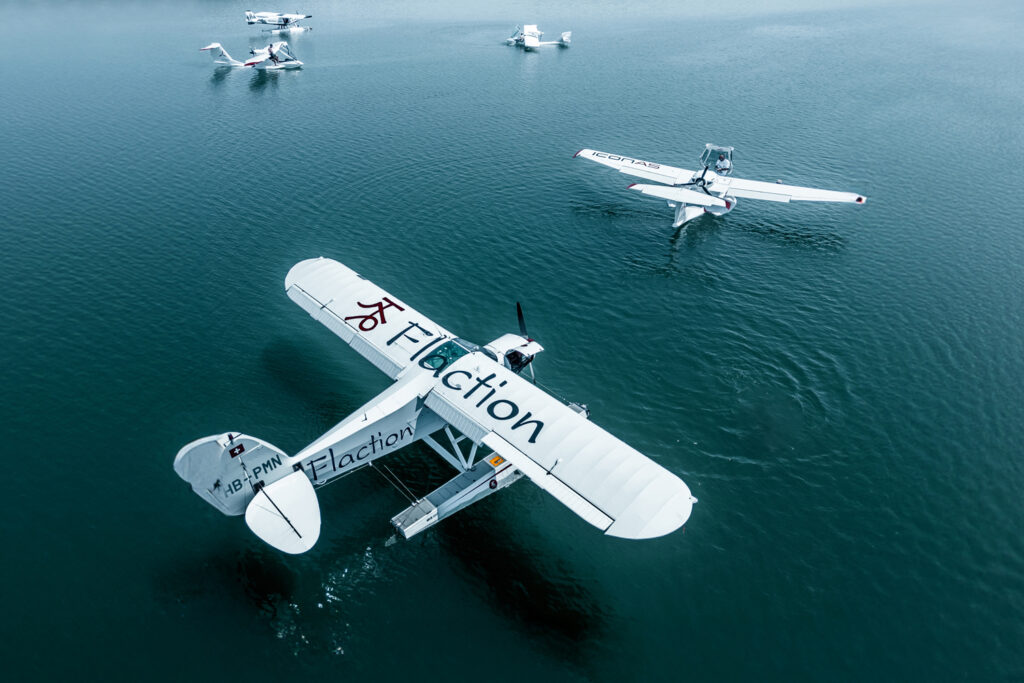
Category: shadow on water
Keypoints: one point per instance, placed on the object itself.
(298, 374)
(612, 210)
(549, 604)
(240, 586)
(681, 243)
(262, 79)
(261, 578)
(220, 75)
(787, 234)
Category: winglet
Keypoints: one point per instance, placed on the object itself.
(576, 154)
(860, 200)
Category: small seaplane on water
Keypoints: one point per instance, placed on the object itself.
(270, 58)
(282, 23)
(469, 403)
(694, 193)
(529, 38)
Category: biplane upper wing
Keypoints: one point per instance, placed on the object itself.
(603, 480)
(776, 192)
(382, 328)
(648, 170)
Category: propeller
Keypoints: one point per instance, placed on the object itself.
(700, 182)
(522, 331)
(522, 321)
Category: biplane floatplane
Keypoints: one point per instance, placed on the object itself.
(469, 403)
(695, 193)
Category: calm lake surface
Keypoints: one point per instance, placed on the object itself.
(842, 387)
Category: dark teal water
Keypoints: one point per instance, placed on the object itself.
(840, 386)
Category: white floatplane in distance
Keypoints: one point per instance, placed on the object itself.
(467, 402)
(282, 23)
(694, 193)
(529, 38)
(270, 58)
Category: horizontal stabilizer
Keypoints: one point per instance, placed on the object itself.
(286, 514)
(680, 194)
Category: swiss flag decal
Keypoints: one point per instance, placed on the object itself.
(237, 450)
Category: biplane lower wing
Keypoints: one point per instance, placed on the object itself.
(600, 478)
(648, 170)
(380, 327)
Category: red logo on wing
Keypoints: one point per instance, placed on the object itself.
(370, 321)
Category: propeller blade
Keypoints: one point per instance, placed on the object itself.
(522, 320)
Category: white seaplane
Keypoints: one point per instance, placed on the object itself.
(694, 193)
(467, 402)
(529, 38)
(282, 23)
(270, 58)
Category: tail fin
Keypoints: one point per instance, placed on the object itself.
(566, 39)
(240, 474)
(220, 55)
(250, 18)
(223, 469)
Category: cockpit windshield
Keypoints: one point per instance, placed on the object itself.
(717, 158)
(446, 354)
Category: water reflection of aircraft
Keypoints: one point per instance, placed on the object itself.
(270, 58)
(469, 403)
(282, 23)
(529, 38)
(694, 193)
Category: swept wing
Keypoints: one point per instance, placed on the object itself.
(379, 326)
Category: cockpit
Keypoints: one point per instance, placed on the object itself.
(447, 353)
(717, 159)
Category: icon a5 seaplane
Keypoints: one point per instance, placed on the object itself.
(469, 403)
(282, 23)
(529, 38)
(273, 57)
(694, 193)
